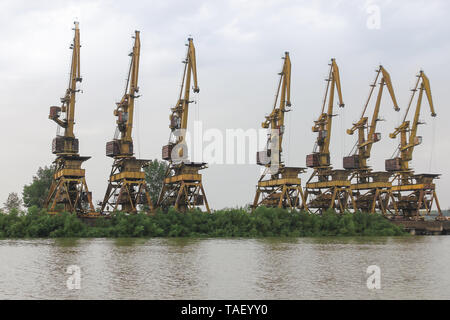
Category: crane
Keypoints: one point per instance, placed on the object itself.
(413, 192)
(331, 190)
(69, 190)
(283, 188)
(372, 189)
(127, 188)
(182, 186)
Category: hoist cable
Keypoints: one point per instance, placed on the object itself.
(138, 126)
(342, 135)
(433, 140)
(289, 139)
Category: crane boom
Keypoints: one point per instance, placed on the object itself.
(406, 147)
(335, 83)
(385, 80)
(324, 123)
(125, 108)
(181, 110)
(128, 99)
(365, 143)
(275, 120)
(68, 101)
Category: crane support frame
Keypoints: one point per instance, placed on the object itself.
(283, 190)
(127, 188)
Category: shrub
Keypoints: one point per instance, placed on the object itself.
(263, 222)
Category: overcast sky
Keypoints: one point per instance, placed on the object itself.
(239, 45)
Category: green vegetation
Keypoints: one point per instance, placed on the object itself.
(35, 193)
(154, 176)
(12, 202)
(264, 222)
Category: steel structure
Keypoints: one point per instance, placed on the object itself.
(69, 191)
(413, 192)
(182, 187)
(127, 188)
(282, 188)
(372, 190)
(327, 188)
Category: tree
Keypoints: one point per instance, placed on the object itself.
(35, 193)
(13, 202)
(155, 173)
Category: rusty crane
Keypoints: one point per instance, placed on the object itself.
(372, 190)
(283, 187)
(182, 187)
(69, 191)
(413, 192)
(127, 188)
(327, 188)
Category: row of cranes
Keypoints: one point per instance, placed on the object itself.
(127, 188)
(396, 192)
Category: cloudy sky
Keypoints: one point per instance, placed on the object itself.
(239, 45)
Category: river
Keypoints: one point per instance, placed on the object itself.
(275, 268)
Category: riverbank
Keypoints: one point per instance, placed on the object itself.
(264, 222)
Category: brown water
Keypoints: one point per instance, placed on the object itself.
(305, 268)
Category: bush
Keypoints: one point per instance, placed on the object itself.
(263, 222)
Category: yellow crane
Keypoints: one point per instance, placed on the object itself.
(283, 187)
(372, 190)
(182, 186)
(127, 188)
(327, 188)
(413, 192)
(69, 191)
